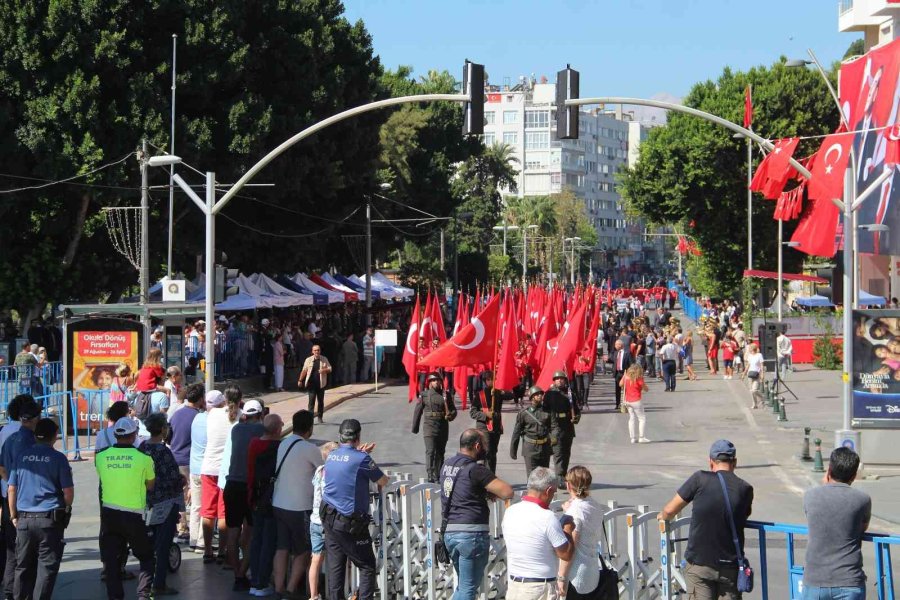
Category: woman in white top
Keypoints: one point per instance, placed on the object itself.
(580, 577)
(174, 381)
(756, 369)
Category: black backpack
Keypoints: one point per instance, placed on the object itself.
(142, 405)
(265, 473)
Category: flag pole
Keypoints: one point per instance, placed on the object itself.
(749, 204)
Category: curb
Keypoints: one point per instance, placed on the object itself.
(289, 427)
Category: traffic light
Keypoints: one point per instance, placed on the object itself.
(222, 289)
(473, 110)
(566, 116)
(834, 289)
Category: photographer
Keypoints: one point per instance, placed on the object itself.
(41, 492)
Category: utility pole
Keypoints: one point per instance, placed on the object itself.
(145, 235)
(172, 167)
(442, 248)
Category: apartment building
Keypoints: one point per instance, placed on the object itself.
(878, 20)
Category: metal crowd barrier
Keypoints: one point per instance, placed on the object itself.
(647, 554)
(39, 381)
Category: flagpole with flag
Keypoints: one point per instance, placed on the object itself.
(748, 124)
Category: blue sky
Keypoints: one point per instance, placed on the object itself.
(621, 47)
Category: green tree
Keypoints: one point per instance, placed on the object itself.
(693, 173)
(83, 82)
(476, 187)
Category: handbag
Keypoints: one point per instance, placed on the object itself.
(608, 587)
(745, 572)
(753, 374)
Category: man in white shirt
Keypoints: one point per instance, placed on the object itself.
(535, 541)
(292, 501)
(785, 350)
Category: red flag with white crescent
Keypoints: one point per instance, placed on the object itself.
(473, 345)
(564, 348)
(506, 377)
(410, 352)
(827, 181)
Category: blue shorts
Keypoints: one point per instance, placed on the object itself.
(316, 538)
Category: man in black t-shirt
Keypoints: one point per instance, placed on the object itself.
(712, 560)
(465, 488)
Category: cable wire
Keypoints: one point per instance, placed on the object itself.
(272, 234)
(403, 231)
(68, 179)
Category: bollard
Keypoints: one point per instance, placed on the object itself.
(804, 449)
(776, 401)
(818, 464)
(782, 415)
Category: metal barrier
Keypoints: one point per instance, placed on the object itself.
(646, 554)
(39, 381)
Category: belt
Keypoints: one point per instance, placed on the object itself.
(536, 441)
(531, 579)
(435, 414)
(562, 415)
(36, 515)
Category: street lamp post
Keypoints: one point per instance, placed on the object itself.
(525, 254)
(571, 241)
(749, 198)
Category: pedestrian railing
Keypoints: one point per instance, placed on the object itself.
(647, 554)
(39, 381)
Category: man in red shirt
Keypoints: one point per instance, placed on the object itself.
(729, 347)
(262, 545)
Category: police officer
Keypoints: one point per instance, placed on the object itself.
(486, 404)
(126, 475)
(558, 401)
(345, 511)
(534, 424)
(41, 491)
(437, 409)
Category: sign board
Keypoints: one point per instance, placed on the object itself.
(385, 337)
(876, 368)
(174, 290)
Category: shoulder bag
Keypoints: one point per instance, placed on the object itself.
(608, 587)
(266, 492)
(745, 572)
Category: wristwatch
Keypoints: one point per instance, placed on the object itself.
(562, 578)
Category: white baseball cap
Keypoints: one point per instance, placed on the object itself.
(252, 407)
(125, 426)
(264, 322)
(214, 399)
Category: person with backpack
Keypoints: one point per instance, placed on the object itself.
(292, 501)
(149, 380)
(262, 457)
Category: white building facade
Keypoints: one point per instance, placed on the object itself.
(524, 118)
(878, 20)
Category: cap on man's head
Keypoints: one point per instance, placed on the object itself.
(125, 427)
(350, 427)
(722, 450)
(264, 322)
(252, 407)
(29, 409)
(46, 429)
(214, 399)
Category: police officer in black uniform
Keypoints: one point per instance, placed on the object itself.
(41, 491)
(486, 405)
(558, 402)
(345, 511)
(534, 424)
(437, 408)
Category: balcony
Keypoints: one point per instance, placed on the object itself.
(860, 15)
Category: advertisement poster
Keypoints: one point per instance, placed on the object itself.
(870, 99)
(876, 368)
(95, 357)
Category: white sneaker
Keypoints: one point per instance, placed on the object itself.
(633, 441)
(262, 592)
(643, 441)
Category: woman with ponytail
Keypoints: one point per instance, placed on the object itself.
(580, 577)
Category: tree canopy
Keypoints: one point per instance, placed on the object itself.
(693, 174)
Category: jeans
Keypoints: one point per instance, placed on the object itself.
(637, 420)
(668, 371)
(163, 535)
(833, 593)
(469, 551)
(262, 549)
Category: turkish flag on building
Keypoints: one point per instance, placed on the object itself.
(473, 345)
(773, 172)
(827, 181)
(410, 352)
(564, 348)
(506, 377)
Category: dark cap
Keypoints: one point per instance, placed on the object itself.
(350, 427)
(722, 450)
(46, 429)
(29, 409)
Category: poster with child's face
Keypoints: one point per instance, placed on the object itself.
(97, 354)
(876, 368)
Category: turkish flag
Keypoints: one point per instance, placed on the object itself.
(827, 181)
(773, 172)
(461, 374)
(506, 376)
(748, 107)
(591, 346)
(816, 231)
(892, 147)
(564, 348)
(410, 352)
(437, 321)
(473, 345)
(426, 331)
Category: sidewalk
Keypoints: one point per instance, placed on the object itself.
(817, 405)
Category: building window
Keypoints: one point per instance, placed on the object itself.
(510, 138)
(510, 117)
(490, 118)
(537, 140)
(555, 178)
(580, 160)
(605, 169)
(554, 158)
(534, 164)
(536, 119)
(489, 139)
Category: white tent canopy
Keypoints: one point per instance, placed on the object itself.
(277, 293)
(302, 279)
(386, 290)
(407, 292)
(339, 286)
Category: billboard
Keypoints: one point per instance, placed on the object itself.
(94, 349)
(870, 99)
(876, 368)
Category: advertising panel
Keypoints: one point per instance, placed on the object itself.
(876, 368)
(870, 98)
